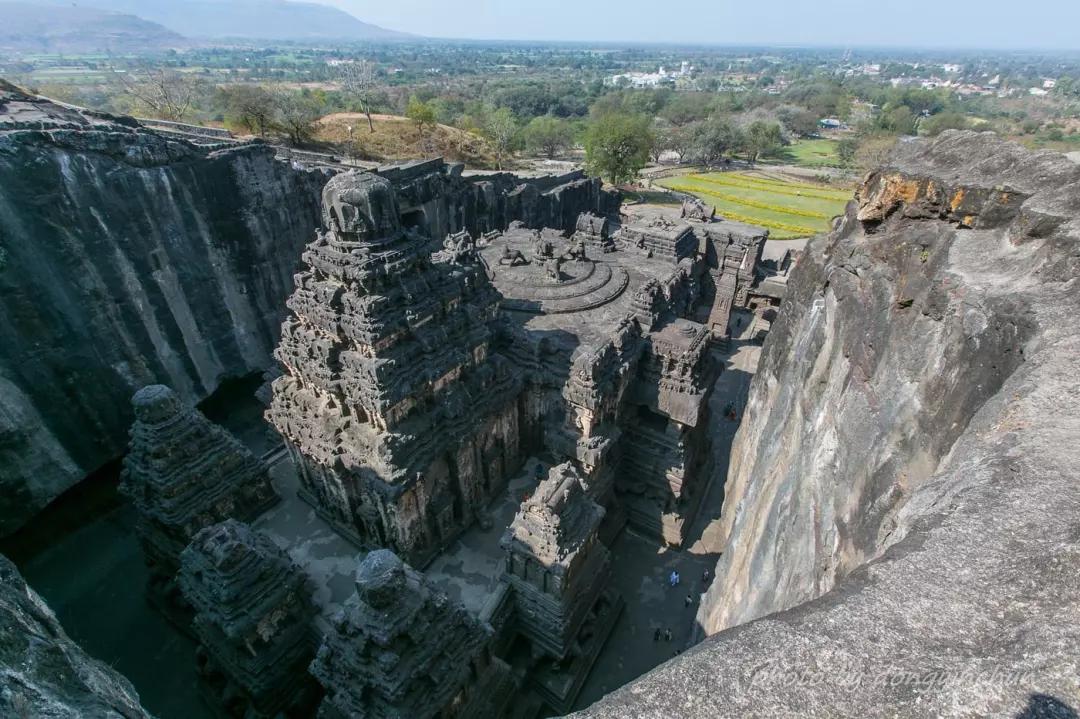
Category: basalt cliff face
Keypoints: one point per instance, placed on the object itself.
(43, 673)
(127, 257)
(902, 499)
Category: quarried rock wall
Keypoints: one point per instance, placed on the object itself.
(127, 259)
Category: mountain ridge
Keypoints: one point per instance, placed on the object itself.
(36, 27)
(243, 19)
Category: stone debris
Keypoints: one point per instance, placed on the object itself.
(253, 618)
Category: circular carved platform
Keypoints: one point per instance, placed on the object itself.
(529, 284)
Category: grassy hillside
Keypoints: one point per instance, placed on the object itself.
(396, 138)
(788, 209)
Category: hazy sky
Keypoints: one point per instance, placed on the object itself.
(932, 23)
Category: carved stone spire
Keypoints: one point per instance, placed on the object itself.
(184, 473)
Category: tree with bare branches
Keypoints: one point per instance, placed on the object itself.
(161, 92)
(358, 80)
(250, 106)
(296, 114)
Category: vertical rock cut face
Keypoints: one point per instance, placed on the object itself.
(898, 327)
(127, 258)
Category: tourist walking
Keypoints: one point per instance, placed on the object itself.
(667, 635)
(656, 635)
(674, 578)
(689, 600)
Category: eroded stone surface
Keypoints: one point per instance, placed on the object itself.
(153, 259)
(400, 648)
(403, 421)
(43, 673)
(555, 562)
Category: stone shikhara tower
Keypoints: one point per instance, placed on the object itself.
(184, 473)
(401, 649)
(402, 423)
(557, 566)
(253, 618)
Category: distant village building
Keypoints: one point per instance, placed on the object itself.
(651, 79)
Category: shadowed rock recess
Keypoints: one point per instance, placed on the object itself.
(905, 474)
(43, 673)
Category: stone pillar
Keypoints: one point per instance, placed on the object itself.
(559, 570)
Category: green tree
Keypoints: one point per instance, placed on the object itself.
(547, 135)
(687, 107)
(250, 107)
(761, 138)
(943, 121)
(421, 114)
(845, 151)
(797, 120)
(898, 119)
(617, 145)
(713, 138)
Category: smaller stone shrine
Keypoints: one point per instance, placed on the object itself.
(594, 231)
(559, 571)
(401, 649)
(253, 619)
(660, 237)
(184, 473)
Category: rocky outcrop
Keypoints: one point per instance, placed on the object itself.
(127, 258)
(43, 673)
(903, 483)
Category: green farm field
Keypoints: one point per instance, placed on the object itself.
(812, 153)
(788, 209)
